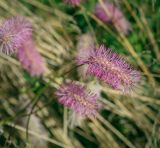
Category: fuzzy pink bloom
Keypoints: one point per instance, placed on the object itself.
(77, 98)
(111, 68)
(84, 46)
(30, 59)
(73, 2)
(13, 32)
(85, 43)
(109, 13)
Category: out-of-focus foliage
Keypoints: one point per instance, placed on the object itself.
(29, 112)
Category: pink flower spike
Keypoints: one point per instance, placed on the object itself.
(109, 13)
(13, 32)
(73, 2)
(112, 69)
(30, 59)
(77, 98)
(84, 46)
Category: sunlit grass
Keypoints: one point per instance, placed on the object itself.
(125, 121)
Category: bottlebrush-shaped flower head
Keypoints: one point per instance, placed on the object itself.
(30, 59)
(73, 2)
(13, 32)
(84, 46)
(77, 98)
(109, 13)
(111, 68)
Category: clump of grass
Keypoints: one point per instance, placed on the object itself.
(126, 120)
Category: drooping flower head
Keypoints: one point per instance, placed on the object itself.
(109, 13)
(111, 68)
(13, 32)
(30, 59)
(73, 2)
(76, 97)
